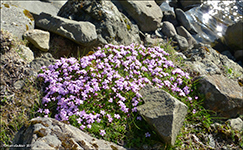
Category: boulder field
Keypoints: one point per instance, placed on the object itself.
(88, 24)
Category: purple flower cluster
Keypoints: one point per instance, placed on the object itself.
(103, 79)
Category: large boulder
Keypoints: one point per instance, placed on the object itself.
(15, 20)
(222, 95)
(38, 38)
(83, 33)
(147, 14)
(234, 36)
(48, 133)
(111, 25)
(163, 112)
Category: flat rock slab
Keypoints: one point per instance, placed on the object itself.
(48, 133)
(163, 112)
(81, 32)
(38, 6)
(222, 95)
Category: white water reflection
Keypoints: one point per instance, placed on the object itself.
(212, 18)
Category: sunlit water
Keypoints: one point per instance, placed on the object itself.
(212, 18)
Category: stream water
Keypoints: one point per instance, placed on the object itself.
(212, 18)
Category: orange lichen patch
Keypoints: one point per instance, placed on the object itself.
(205, 48)
(90, 53)
(28, 14)
(6, 5)
(113, 147)
(240, 82)
(27, 27)
(41, 132)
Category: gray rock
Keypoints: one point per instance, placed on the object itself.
(38, 6)
(236, 124)
(25, 53)
(168, 29)
(170, 17)
(234, 36)
(181, 16)
(159, 2)
(183, 44)
(44, 60)
(163, 112)
(183, 32)
(39, 38)
(18, 84)
(83, 33)
(238, 55)
(187, 4)
(147, 14)
(228, 54)
(48, 133)
(204, 60)
(149, 41)
(111, 25)
(15, 20)
(222, 95)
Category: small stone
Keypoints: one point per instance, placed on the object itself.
(38, 38)
(183, 44)
(236, 124)
(168, 29)
(18, 84)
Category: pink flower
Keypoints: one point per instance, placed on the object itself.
(102, 132)
(89, 126)
(139, 118)
(147, 134)
(117, 116)
(82, 127)
(194, 111)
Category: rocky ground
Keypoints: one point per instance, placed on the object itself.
(21, 92)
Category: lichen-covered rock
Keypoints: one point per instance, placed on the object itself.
(147, 14)
(48, 133)
(39, 38)
(83, 33)
(111, 25)
(163, 112)
(203, 59)
(222, 95)
(16, 20)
